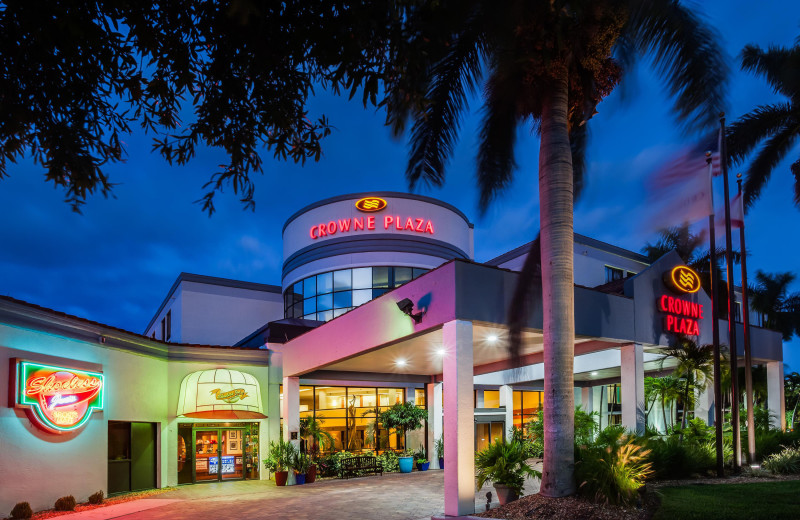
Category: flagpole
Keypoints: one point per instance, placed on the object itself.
(748, 358)
(715, 331)
(733, 350)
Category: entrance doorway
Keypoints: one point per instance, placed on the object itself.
(215, 453)
(488, 432)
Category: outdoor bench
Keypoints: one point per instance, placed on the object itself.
(361, 465)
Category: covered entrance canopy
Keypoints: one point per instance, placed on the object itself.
(220, 394)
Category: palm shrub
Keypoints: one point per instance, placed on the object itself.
(585, 431)
(613, 470)
(281, 455)
(772, 441)
(311, 427)
(504, 463)
(672, 459)
(786, 461)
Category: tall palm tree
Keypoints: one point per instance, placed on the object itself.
(688, 246)
(771, 298)
(776, 126)
(666, 390)
(545, 64)
(695, 366)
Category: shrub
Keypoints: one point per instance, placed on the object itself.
(21, 510)
(504, 463)
(771, 441)
(614, 473)
(673, 459)
(66, 503)
(389, 462)
(786, 461)
(96, 498)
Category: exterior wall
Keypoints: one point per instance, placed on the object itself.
(48, 466)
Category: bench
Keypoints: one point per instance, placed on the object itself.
(360, 465)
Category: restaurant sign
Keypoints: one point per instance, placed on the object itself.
(57, 399)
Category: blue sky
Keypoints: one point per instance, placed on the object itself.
(115, 263)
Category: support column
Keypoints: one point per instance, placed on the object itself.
(433, 394)
(704, 405)
(271, 427)
(632, 371)
(459, 422)
(775, 397)
(587, 403)
(291, 410)
(507, 400)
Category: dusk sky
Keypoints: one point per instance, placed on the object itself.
(116, 262)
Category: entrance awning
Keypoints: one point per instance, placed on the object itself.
(220, 394)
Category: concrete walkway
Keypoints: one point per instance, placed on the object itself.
(393, 496)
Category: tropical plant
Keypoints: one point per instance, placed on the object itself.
(300, 462)
(612, 472)
(673, 459)
(439, 447)
(547, 65)
(772, 126)
(311, 428)
(504, 463)
(780, 309)
(791, 392)
(389, 461)
(786, 461)
(695, 364)
(665, 390)
(281, 455)
(585, 430)
(403, 417)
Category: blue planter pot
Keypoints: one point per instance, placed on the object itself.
(406, 464)
(300, 478)
(423, 466)
(441, 462)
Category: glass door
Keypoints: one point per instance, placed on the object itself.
(219, 454)
(185, 456)
(206, 464)
(231, 453)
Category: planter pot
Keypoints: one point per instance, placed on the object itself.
(311, 474)
(504, 494)
(280, 478)
(299, 478)
(406, 464)
(423, 466)
(441, 462)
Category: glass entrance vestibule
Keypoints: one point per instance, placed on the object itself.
(217, 452)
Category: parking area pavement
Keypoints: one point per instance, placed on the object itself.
(393, 496)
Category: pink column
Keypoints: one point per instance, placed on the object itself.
(459, 422)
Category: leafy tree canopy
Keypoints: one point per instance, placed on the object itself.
(76, 77)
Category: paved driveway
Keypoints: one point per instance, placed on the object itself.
(392, 496)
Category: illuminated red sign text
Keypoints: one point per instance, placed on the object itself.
(417, 225)
(682, 315)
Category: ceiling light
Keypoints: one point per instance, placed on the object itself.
(492, 338)
(400, 362)
(594, 373)
(441, 351)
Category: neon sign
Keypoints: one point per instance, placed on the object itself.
(682, 315)
(371, 204)
(57, 399)
(682, 279)
(231, 396)
(417, 225)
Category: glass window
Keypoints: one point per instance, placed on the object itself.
(325, 302)
(306, 399)
(310, 287)
(361, 296)
(362, 278)
(380, 277)
(491, 399)
(361, 398)
(613, 273)
(325, 316)
(324, 283)
(339, 312)
(418, 271)
(401, 275)
(341, 280)
(378, 292)
(330, 397)
(310, 306)
(342, 299)
(297, 310)
(419, 397)
(298, 287)
(389, 397)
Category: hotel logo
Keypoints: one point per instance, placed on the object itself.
(682, 279)
(370, 204)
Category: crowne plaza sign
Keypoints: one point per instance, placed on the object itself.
(369, 223)
(682, 316)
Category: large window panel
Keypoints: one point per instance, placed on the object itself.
(402, 275)
(310, 287)
(310, 306)
(324, 283)
(342, 299)
(362, 278)
(361, 296)
(325, 302)
(342, 280)
(380, 277)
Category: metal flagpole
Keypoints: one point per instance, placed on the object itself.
(715, 330)
(748, 358)
(732, 346)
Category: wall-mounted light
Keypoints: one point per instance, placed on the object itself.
(406, 306)
(594, 373)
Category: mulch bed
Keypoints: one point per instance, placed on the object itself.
(118, 499)
(538, 507)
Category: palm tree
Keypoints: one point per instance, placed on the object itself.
(775, 125)
(771, 298)
(546, 64)
(695, 366)
(791, 385)
(311, 428)
(666, 390)
(688, 246)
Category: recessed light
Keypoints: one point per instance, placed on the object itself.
(492, 338)
(594, 373)
(400, 362)
(441, 351)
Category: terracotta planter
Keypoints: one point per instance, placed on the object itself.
(280, 478)
(311, 474)
(504, 494)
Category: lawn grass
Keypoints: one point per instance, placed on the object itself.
(767, 501)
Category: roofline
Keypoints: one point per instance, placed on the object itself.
(578, 239)
(210, 280)
(393, 194)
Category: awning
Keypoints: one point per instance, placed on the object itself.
(220, 394)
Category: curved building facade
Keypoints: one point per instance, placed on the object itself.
(342, 252)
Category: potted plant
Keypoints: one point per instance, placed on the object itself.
(439, 446)
(505, 465)
(403, 417)
(423, 464)
(300, 465)
(281, 457)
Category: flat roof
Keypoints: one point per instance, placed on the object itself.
(578, 239)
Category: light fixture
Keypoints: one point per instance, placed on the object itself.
(491, 338)
(406, 306)
(441, 351)
(400, 362)
(594, 373)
